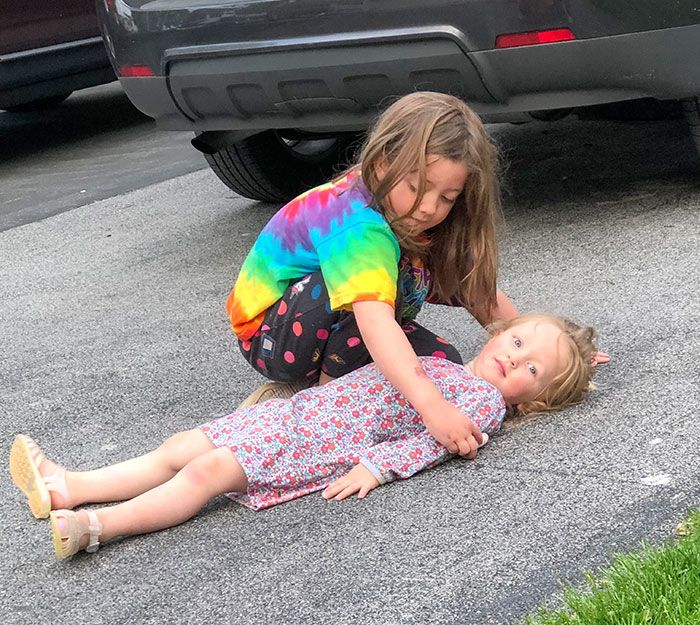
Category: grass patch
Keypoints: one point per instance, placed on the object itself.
(654, 586)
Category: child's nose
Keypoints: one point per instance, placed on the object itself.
(428, 206)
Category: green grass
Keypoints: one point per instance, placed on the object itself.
(653, 586)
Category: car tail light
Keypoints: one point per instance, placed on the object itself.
(514, 40)
(135, 71)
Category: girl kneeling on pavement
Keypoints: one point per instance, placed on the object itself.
(336, 278)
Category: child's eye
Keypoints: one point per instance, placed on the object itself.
(448, 200)
(412, 187)
(532, 369)
(517, 342)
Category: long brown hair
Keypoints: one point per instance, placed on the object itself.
(461, 252)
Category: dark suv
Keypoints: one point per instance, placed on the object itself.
(47, 50)
(276, 89)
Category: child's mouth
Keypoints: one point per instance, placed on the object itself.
(500, 366)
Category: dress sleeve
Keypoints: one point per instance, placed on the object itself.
(484, 405)
(475, 398)
(392, 460)
(360, 263)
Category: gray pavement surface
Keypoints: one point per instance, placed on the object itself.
(113, 335)
(93, 146)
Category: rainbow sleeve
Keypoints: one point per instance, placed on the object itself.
(360, 263)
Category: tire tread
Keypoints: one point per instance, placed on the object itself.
(262, 168)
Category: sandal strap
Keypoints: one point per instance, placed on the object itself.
(95, 529)
(67, 539)
(56, 482)
(37, 456)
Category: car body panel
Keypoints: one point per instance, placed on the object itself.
(49, 49)
(28, 25)
(329, 65)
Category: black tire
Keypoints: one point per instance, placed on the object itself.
(269, 168)
(39, 105)
(691, 110)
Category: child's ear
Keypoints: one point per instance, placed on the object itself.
(380, 169)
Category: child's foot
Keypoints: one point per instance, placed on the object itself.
(276, 390)
(74, 531)
(42, 481)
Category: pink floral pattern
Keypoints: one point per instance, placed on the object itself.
(289, 448)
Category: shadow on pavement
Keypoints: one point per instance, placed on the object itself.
(93, 146)
(85, 114)
(572, 158)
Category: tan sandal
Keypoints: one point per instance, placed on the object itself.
(25, 459)
(275, 390)
(67, 543)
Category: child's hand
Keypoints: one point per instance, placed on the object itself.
(451, 428)
(359, 478)
(601, 358)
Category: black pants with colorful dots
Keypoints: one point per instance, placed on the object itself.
(301, 336)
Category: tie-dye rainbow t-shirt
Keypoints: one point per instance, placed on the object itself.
(331, 228)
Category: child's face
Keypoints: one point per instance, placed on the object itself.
(445, 180)
(522, 360)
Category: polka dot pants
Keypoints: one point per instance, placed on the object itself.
(301, 336)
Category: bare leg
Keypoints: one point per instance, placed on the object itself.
(324, 378)
(177, 500)
(128, 479)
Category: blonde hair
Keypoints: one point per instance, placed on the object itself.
(461, 252)
(571, 384)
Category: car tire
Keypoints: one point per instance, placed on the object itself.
(39, 105)
(691, 110)
(271, 168)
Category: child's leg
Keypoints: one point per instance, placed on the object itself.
(212, 473)
(345, 350)
(427, 343)
(128, 479)
(292, 339)
(324, 378)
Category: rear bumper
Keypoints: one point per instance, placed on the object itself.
(336, 82)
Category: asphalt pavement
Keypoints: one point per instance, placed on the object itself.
(95, 145)
(113, 335)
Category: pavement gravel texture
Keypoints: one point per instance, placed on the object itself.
(113, 335)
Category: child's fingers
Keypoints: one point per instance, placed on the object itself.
(600, 358)
(467, 447)
(346, 492)
(363, 492)
(333, 489)
(477, 434)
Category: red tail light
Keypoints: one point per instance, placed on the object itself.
(135, 71)
(534, 38)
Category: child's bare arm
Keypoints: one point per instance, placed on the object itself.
(396, 359)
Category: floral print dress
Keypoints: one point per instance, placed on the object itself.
(291, 447)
